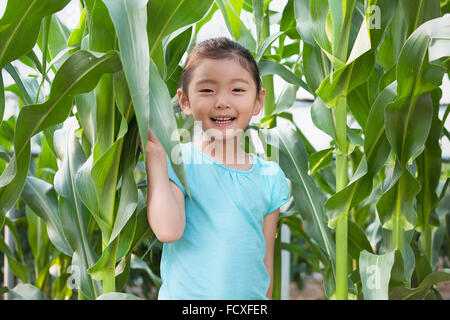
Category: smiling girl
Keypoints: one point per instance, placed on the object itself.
(220, 244)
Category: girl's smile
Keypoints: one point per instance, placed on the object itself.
(223, 121)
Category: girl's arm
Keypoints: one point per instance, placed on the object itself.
(165, 200)
(269, 231)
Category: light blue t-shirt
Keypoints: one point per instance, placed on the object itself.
(221, 252)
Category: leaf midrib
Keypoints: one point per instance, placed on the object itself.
(410, 107)
(312, 203)
(322, 159)
(60, 97)
(18, 25)
(163, 29)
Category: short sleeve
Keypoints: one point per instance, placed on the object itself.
(173, 176)
(280, 192)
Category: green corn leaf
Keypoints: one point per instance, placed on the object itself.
(429, 171)
(258, 14)
(288, 23)
(105, 113)
(358, 188)
(316, 66)
(2, 98)
(176, 49)
(376, 149)
(267, 67)
(123, 97)
(361, 60)
(357, 240)
(127, 237)
(101, 173)
(142, 231)
(323, 118)
(58, 36)
(128, 192)
(137, 263)
(419, 292)
(408, 118)
(102, 39)
(320, 160)
(97, 180)
(86, 190)
(304, 21)
(12, 228)
(165, 17)
(17, 267)
(319, 13)
(74, 215)
(80, 73)
(103, 179)
(100, 26)
(345, 79)
(106, 264)
(35, 62)
(86, 112)
(308, 198)
(77, 34)
(41, 197)
(359, 104)
(376, 146)
(286, 98)
(416, 12)
(15, 75)
(266, 44)
(378, 18)
(38, 239)
(341, 14)
(130, 21)
(231, 13)
(403, 187)
(162, 120)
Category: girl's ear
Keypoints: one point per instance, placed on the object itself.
(183, 100)
(259, 101)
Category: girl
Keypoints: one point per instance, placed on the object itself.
(220, 245)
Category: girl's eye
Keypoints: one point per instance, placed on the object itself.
(206, 90)
(239, 90)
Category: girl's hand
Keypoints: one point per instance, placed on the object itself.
(156, 156)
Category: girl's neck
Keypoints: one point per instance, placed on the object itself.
(227, 151)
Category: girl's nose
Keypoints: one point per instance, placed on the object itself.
(222, 102)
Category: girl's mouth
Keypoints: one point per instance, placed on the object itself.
(223, 122)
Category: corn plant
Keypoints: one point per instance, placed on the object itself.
(371, 60)
(103, 67)
(373, 222)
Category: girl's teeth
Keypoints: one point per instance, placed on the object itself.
(223, 120)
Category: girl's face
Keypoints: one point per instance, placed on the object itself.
(221, 89)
